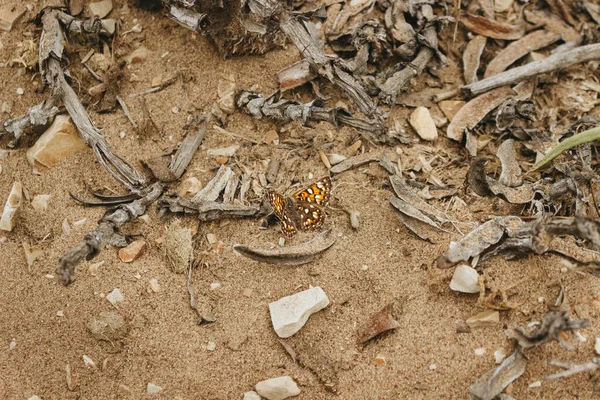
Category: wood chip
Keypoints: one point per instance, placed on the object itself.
(379, 322)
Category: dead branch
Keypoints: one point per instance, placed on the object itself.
(207, 210)
(552, 63)
(400, 79)
(331, 67)
(107, 232)
(37, 118)
(285, 111)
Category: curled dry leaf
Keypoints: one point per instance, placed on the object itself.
(484, 185)
(475, 110)
(408, 196)
(471, 58)
(493, 29)
(412, 212)
(552, 328)
(290, 255)
(511, 53)
(494, 381)
(554, 24)
(380, 322)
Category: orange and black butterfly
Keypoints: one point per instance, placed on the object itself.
(304, 210)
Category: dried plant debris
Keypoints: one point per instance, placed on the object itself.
(475, 110)
(493, 29)
(494, 381)
(484, 185)
(514, 51)
(471, 58)
(309, 356)
(476, 242)
(553, 327)
(412, 205)
(513, 237)
(552, 63)
(511, 171)
(290, 255)
(571, 369)
(381, 321)
(178, 248)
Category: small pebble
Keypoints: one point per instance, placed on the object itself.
(433, 367)
(211, 238)
(597, 346)
(215, 286)
(49, 276)
(499, 356)
(281, 241)
(20, 91)
(211, 346)
(13, 344)
(154, 286)
(122, 134)
(364, 268)
(480, 351)
(115, 297)
(153, 389)
(88, 361)
(535, 384)
(380, 359)
(60, 313)
(132, 251)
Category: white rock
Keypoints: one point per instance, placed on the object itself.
(251, 396)
(20, 91)
(480, 351)
(421, 120)
(115, 297)
(215, 286)
(152, 388)
(433, 367)
(60, 313)
(34, 397)
(211, 346)
(154, 285)
(40, 202)
(13, 344)
(597, 346)
(499, 356)
(101, 8)
(336, 158)
(277, 388)
(223, 152)
(88, 361)
(12, 207)
(290, 313)
(465, 280)
(535, 384)
(484, 319)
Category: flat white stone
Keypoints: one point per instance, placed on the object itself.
(277, 388)
(152, 388)
(597, 346)
(101, 9)
(290, 313)
(465, 280)
(421, 120)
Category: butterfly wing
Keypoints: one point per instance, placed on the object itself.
(318, 193)
(311, 216)
(288, 227)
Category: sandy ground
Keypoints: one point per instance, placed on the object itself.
(381, 262)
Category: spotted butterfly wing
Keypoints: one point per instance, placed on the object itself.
(311, 215)
(288, 226)
(317, 193)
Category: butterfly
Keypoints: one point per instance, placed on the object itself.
(304, 210)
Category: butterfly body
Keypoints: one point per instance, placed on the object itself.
(304, 209)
